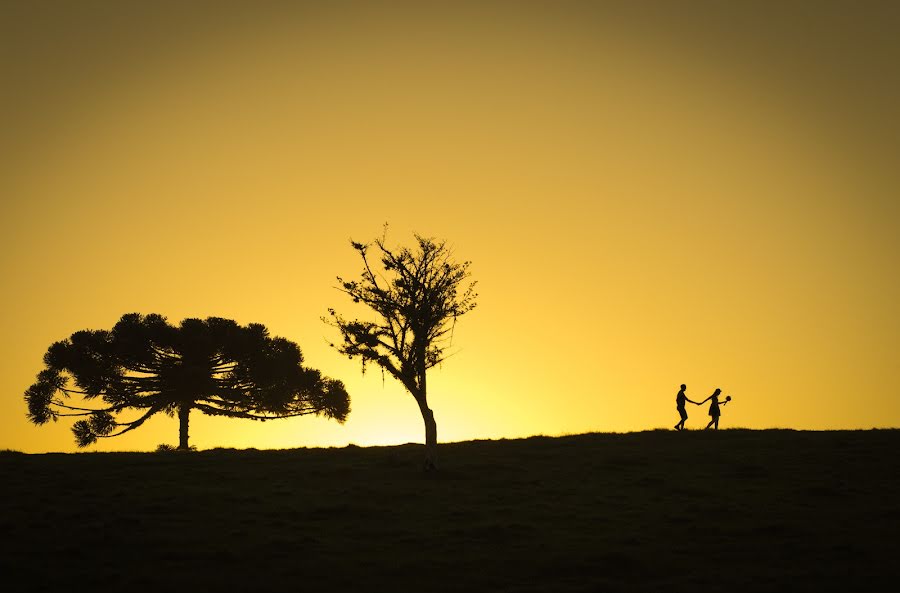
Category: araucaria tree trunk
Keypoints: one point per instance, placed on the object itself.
(184, 411)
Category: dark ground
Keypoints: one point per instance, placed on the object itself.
(695, 511)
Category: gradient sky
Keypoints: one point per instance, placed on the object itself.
(651, 194)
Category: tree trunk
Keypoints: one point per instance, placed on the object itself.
(430, 436)
(417, 386)
(184, 411)
(428, 418)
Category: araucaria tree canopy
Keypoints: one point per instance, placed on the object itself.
(118, 379)
(417, 295)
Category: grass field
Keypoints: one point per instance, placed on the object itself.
(735, 510)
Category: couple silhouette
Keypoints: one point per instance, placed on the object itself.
(714, 410)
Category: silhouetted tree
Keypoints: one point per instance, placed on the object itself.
(418, 295)
(147, 366)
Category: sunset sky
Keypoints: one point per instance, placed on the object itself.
(651, 193)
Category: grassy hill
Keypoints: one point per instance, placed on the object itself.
(695, 511)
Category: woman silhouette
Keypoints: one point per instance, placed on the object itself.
(679, 405)
(714, 408)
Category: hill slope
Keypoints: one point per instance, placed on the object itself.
(655, 511)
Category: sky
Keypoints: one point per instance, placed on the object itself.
(650, 193)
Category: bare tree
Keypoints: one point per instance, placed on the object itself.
(418, 294)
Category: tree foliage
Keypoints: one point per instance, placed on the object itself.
(417, 294)
(116, 380)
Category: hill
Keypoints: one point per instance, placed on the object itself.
(735, 510)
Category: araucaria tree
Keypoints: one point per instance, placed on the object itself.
(417, 294)
(118, 379)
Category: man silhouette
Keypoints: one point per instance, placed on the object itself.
(680, 399)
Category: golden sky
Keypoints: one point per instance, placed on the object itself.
(651, 194)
